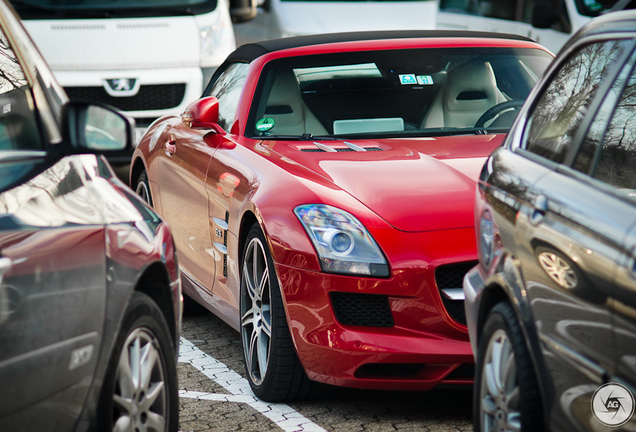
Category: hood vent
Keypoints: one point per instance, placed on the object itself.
(350, 148)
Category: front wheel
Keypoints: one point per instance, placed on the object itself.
(506, 394)
(139, 392)
(273, 369)
(143, 188)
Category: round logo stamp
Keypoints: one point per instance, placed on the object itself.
(613, 404)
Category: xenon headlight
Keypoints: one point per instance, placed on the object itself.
(342, 242)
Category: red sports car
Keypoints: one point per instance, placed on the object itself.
(321, 198)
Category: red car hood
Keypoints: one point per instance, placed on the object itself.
(421, 184)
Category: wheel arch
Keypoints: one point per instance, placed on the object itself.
(136, 168)
(497, 289)
(155, 283)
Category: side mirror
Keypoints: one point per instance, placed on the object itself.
(203, 113)
(96, 128)
(242, 10)
(543, 14)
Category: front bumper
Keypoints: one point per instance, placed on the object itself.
(420, 348)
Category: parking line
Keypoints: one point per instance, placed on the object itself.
(284, 416)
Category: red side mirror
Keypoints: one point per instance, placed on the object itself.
(203, 113)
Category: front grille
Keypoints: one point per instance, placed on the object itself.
(388, 370)
(370, 310)
(452, 276)
(149, 97)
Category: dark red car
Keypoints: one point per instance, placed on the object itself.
(90, 292)
(321, 197)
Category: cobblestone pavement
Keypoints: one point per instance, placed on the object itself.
(215, 396)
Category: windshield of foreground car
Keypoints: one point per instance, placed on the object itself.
(57, 9)
(393, 93)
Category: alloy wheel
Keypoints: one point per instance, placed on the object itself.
(558, 269)
(143, 192)
(140, 397)
(499, 390)
(256, 319)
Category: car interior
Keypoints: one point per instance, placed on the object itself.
(439, 93)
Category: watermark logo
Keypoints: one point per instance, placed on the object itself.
(613, 404)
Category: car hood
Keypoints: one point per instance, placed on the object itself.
(421, 184)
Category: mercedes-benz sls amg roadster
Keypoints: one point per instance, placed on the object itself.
(321, 197)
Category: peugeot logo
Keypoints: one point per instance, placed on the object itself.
(121, 87)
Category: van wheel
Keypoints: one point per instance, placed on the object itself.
(506, 394)
(272, 366)
(139, 391)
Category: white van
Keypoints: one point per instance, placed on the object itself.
(550, 23)
(145, 57)
(303, 17)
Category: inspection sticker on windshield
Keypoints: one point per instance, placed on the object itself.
(265, 124)
(425, 80)
(407, 79)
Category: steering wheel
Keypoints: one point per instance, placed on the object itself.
(494, 111)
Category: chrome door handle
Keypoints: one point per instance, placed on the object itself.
(171, 146)
(539, 209)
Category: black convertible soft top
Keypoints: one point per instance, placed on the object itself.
(250, 51)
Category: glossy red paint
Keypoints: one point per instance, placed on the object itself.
(415, 197)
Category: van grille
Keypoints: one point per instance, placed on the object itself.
(149, 97)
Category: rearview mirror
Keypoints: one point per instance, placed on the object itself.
(203, 113)
(96, 128)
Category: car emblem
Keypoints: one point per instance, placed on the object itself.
(121, 87)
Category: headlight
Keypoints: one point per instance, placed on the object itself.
(217, 39)
(486, 238)
(342, 242)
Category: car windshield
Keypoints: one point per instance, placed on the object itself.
(34, 9)
(392, 93)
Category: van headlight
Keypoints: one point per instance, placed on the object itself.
(343, 244)
(216, 38)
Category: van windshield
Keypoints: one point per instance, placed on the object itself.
(64, 9)
(593, 8)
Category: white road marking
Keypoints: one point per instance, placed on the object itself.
(285, 417)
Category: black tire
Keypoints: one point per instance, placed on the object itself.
(143, 330)
(142, 188)
(516, 401)
(282, 377)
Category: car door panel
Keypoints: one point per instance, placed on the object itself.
(53, 245)
(183, 169)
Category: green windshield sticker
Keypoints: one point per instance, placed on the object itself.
(265, 124)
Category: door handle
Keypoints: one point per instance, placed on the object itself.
(539, 209)
(171, 146)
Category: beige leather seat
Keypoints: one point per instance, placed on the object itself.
(285, 105)
(469, 90)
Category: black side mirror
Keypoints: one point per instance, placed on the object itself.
(543, 14)
(96, 128)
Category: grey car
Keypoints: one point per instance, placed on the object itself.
(90, 293)
(551, 307)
